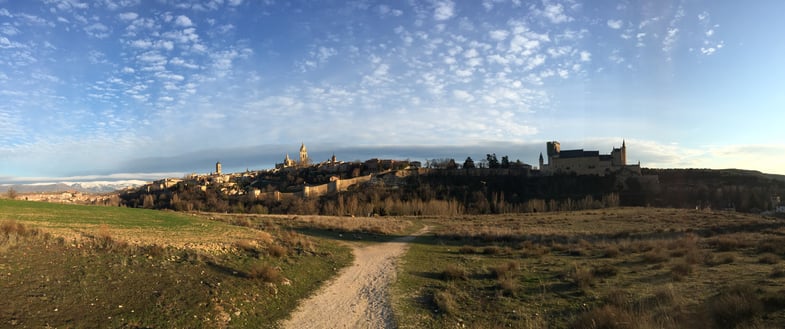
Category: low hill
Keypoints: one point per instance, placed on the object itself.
(82, 266)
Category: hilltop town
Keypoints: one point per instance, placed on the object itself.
(563, 180)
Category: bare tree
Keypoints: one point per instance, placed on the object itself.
(12, 193)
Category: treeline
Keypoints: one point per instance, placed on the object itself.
(449, 192)
(740, 190)
(420, 195)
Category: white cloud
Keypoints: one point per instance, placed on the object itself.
(97, 30)
(444, 10)
(585, 56)
(235, 3)
(499, 35)
(555, 13)
(614, 24)
(670, 39)
(463, 95)
(183, 21)
(128, 16)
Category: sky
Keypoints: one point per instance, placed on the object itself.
(125, 89)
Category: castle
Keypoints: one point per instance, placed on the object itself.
(582, 162)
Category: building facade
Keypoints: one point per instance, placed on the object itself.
(582, 162)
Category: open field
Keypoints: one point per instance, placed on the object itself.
(610, 268)
(77, 266)
(73, 266)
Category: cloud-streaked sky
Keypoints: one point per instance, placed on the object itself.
(130, 86)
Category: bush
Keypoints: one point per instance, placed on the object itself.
(466, 250)
(277, 251)
(445, 301)
(606, 317)
(777, 273)
(655, 256)
(491, 250)
(265, 272)
(769, 259)
(583, 277)
(610, 251)
(505, 270)
(454, 272)
(680, 270)
(508, 286)
(605, 271)
(733, 306)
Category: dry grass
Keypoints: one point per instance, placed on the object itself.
(454, 272)
(734, 306)
(618, 268)
(505, 270)
(445, 301)
(581, 276)
(466, 250)
(265, 273)
(277, 251)
(769, 258)
(681, 270)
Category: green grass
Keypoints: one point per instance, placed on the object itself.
(97, 278)
(55, 215)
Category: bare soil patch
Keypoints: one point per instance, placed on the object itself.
(359, 297)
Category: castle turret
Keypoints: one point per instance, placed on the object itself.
(542, 162)
(623, 153)
(218, 168)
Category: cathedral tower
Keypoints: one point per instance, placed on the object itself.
(303, 155)
(218, 168)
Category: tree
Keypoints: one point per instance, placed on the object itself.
(12, 193)
(493, 162)
(505, 162)
(469, 163)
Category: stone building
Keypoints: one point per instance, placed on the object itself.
(290, 163)
(584, 162)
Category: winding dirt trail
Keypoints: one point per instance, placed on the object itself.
(359, 296)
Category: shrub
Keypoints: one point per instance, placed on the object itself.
(504, 270)
(466, 250)
(491, 250)
(11, 227)
(454, 272)
(508, 286)
(445, 301)
(610, 251)
(733, 306)
(777, 273)
(680, 270)
(607, 317)
(277, 251)
(605, 271)
(769, 259)
(265, 272)
(655, 256)
(583, 277)
(246, 245)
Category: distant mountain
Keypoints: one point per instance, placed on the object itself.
(95, 187)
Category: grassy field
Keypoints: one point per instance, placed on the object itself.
(77, 266)
(612, 268)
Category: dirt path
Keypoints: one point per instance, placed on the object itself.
(358, 297)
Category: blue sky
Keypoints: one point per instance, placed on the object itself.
(131, 88)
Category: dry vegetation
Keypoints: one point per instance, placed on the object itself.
(613, 268)
(60, 269)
